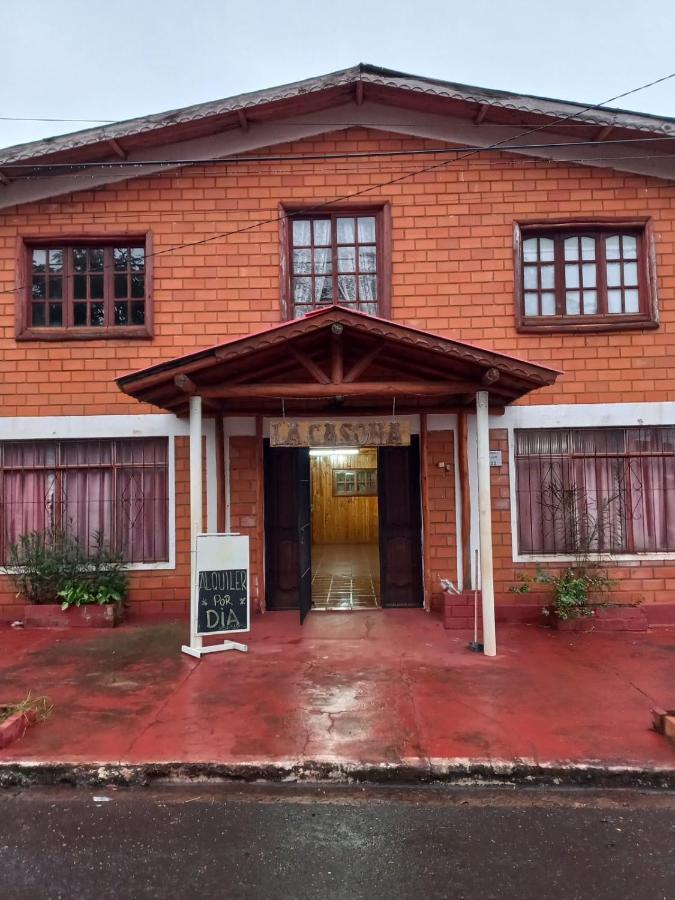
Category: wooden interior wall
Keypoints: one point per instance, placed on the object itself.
(342, 520)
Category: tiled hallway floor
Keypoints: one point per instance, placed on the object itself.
(345, 576)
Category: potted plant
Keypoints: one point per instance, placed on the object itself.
(63, 584)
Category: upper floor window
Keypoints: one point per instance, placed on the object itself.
(336, 257)
(84, 288)
(587, 277)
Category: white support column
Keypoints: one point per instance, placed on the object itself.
(195, 505)
(485, 524)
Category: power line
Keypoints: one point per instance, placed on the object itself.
(368, 189)
(310, 157)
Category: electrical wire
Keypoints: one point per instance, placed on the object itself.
(378, 186)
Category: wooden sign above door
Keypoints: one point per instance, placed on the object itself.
(337, 433)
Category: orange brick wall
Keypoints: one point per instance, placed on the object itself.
(442, 536)
(246, 515)
(452, 235)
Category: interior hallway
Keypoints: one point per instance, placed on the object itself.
(345, 576)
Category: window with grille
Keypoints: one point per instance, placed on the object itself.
(354, 482)
(583, 277)
(86, 288)
(336, 257)
(587, 490)
(117, 489)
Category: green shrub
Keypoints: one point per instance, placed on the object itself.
(53, 567)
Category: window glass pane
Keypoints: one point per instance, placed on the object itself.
(138, 258)
(55, 313)
(346, 257)
(572, 276)
(323, 289)
(97, 314)
(96, 259)
(572, 303)
(590, 302)
(630, 273)
(547, 277)
(120, 286)
(632, 301)
(302, 262)
(588, 248)
(367, 259)
(302, 288)
(531, 304)
(572, 248)
(56, 287)
(530, 277)
(613, 274)
(120, 258)
(530, 250)
(589, 275)
(121, 314)
(548, 304)
(80, 313)
(612, 247)
(368, 287)
(345, 231)
(96, 287)
(546, 249)
(138, 286)
(39, 290)
(55, 260)
(38, 314)
(322, 261)
(322, 232)
(366, 229)
(79, 259)
(138, 313)
(39, 260)
(629, 246)
(614, 301)
(301, 232)
(347, 287)
(80, 287)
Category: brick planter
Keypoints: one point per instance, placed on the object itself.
(15, 726)
(50, 615)
(605, 618)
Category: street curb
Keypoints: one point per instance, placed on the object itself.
(458, 772)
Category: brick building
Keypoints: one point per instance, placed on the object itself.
(363, 248)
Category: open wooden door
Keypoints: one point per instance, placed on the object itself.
(398, 473)
(288, 533)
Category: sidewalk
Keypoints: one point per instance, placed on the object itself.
(389, 692)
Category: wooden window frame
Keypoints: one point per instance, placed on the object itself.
(26, 331)
(558, 230)
(356, 471)
(382, 213)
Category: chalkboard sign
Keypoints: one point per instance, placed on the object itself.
(222, 597)
(222, 601)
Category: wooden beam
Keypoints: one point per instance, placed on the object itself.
(244, 123)
(3, 178)
(358, 93)
(337, 364)
(185, 384)
(482, 112)
(360, 367)
(317, 373)
(304, 391)
(426, 514)
(464, 498)
(490, 377)
(116, 149)
(604, 133)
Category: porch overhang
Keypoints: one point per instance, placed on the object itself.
(336, 361)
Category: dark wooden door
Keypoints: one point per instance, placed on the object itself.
(398, 473)
(287, 529)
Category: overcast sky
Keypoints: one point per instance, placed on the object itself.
(115, 59)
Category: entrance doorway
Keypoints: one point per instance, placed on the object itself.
(345, 529)
(316, 555)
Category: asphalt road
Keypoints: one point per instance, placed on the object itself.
(308, 842)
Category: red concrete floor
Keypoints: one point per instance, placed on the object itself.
(354, 687)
